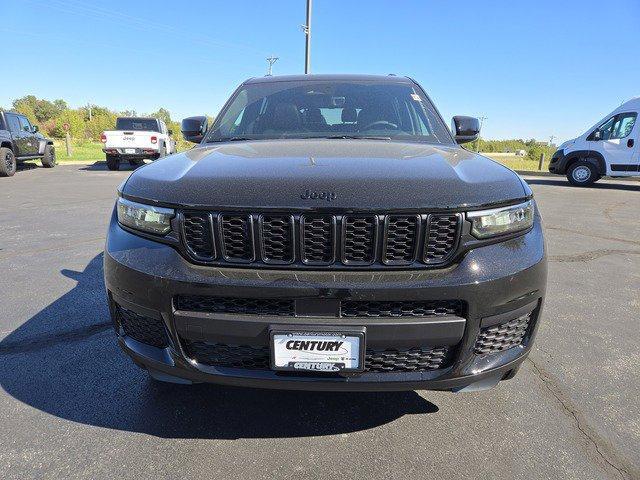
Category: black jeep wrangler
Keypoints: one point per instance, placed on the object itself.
(19, 140)
(327, 233)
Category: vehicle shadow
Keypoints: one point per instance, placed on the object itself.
(78, 373)
(101, 166)
(601, 185)
(25, 166)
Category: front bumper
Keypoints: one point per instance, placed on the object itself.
(496, 283)
(558, 163)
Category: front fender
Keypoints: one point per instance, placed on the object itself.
(42, 143)
(591, 155)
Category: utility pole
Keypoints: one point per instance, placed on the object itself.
(271, 61)
(306, 28)
(482, 119)
(551, 139)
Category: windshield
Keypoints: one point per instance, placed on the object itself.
(330, 109)
(148, 124)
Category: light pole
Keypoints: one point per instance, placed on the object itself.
(306, 28)
(482, 119)
(271, 61)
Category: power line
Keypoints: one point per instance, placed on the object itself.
(482, 119)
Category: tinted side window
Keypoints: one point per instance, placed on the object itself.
(14, 123)
(24, 124)
(623, 125)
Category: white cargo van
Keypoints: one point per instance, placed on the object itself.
(610, 148)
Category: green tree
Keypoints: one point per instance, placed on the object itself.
(162, 114)
(39, 110)
(75, 119)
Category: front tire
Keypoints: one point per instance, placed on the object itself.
(8, 164)
(49, 158)
(582, 174)
(113, 162)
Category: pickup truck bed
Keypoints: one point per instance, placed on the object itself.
(139, 139)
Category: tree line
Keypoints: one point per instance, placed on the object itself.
(85, 123)
(532, 147)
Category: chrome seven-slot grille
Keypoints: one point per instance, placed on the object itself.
(320, 239)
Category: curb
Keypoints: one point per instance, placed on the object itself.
(535, 173)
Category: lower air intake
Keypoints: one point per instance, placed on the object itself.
(257, 357)
(504, 336)
(144, 329)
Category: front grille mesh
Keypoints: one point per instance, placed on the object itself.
(359, 240)
(318, 239)
(277, 239)
(237, 240)
(498, 338)
(257, 357)
(349, 308)
(222, 355)
(245, 306)
(144, 329)
(355, 308)
(198, 234)
(411, 360)
(401, 235)
(321, 240)
(442, 237)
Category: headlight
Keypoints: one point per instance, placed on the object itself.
(501, 221)
(145, 218)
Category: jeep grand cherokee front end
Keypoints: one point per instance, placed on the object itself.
(327, 233)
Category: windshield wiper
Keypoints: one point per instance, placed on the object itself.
(231, 139)
(285, 137)
(353, 137)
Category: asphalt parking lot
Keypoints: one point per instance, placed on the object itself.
(71, 405)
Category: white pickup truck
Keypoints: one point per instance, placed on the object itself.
(136, 139)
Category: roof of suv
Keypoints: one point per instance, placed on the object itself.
(334, 77)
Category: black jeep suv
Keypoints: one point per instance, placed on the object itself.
(327, 233)
(19, 141)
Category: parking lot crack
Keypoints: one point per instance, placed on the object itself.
(48, 340)
(591, 235)
(591, 255)
(602, 447)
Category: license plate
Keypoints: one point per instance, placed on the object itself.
(129, 150)
(317, 351)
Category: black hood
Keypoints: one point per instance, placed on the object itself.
(342, 174)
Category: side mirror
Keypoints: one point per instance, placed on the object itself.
(194, 128)
(35, 129)
(170, 132)
(465, 129)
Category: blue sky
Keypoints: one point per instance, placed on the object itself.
(534, 69)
